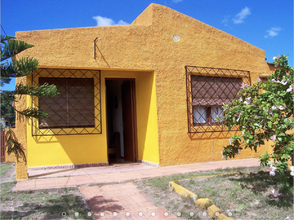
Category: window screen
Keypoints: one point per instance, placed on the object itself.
(73, 107)
(207, 90)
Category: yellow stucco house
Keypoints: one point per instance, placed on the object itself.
(145, 92)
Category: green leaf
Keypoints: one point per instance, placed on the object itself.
(17, 46)
(21, 67)
(33, 113)
(260, 121)
(4, 38)
(261, 142)
(257, 125)
(44, 90)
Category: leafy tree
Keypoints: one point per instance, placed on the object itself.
(12, 67)
(7, 110)
(264, 111)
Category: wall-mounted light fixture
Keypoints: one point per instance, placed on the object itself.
(94, 47)
(176, 38)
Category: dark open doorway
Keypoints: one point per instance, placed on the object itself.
(121, 120)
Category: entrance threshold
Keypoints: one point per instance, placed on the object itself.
(122, 162)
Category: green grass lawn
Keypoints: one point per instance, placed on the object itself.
(65, 203)
(245, 196)
(248, 196)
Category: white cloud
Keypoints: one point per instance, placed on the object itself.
(226, 20)
(274, 31)
(239, 18)
(121, 22)
(104, 21)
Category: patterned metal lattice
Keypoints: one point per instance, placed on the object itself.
(76, 110)
(207, 90)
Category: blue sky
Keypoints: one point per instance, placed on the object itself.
(266, 24)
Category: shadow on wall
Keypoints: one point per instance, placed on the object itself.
(210, 135)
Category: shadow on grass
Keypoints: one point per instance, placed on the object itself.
(63, 207)
(99, 204)
(65, 203)
(259, 183)
(66, 206)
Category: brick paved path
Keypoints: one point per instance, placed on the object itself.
(121, 201)
(101, 175)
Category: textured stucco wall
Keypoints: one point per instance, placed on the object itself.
(20, 131)
(9, 158)
(147, 44)
(83, 149)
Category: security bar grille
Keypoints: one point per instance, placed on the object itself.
(207, 90)
(77, 108)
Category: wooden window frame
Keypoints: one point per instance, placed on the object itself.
(210, 99)
(209, 117)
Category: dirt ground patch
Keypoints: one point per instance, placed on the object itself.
(7, 172)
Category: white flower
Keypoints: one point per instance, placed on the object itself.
(258, 79)
(230, 141)
(238, 119)
(248, 101)
(272, 171)
(273, 138)
(274, 193)
(276, 81)
(278, 108)
(223, 157)
(243, 86)
(239, 151)
(225, 106)
(292, 170)
(284, 82)
(277, 57)
(290, 89)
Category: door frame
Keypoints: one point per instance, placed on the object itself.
(134, 115)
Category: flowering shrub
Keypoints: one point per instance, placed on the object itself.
(264, 111)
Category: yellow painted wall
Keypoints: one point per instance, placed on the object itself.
(147, 118)
(64, 149)
(82, 149)
(9, 158)
(147, 45)
(20, 131)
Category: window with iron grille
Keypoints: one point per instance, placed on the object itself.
(207, 90)
(76, 110)
(73, 107)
